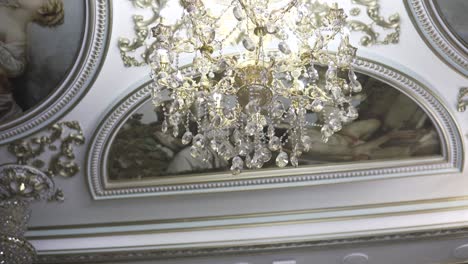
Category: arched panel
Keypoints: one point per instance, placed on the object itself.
(403, 130)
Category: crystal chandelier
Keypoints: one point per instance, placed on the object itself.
(264, 98)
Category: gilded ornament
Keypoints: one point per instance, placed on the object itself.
(142, 33)
(24, 183)
(61, 162)
(371, 36)
(462, 99)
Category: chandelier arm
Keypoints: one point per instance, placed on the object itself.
(252, 16)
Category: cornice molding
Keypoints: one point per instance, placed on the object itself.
(155, 254)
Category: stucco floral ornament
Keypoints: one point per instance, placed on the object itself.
(41, 158)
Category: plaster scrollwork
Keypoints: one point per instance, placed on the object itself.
(62, 159)
(371, 34)
(141, 43)
(142, 31)
(38, 160)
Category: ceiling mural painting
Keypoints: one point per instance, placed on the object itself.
(390, 126)
(46, 65)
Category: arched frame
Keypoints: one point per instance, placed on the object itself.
(75, 84)
(433, 29)
(451, 160)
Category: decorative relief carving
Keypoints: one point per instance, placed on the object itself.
(39, 159)
(371, 36)
(25, 183)
(462, 99)
(142, 32)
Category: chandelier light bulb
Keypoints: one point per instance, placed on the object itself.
(256, 107)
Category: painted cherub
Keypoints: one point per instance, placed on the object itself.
(15, 17)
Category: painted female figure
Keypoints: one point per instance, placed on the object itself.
(15, 17)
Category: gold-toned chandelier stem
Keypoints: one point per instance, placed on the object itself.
(259, 49)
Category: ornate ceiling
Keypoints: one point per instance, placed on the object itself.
(87, 136)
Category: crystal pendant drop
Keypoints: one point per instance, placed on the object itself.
(352, 76)
(313, 73)
(274, 144)
(164, 126)
(243, 148)
(284, 48)
(352, 113)
(327, 132)
(199, 141)
(216, 121)
(237, 165)
(195, 152)
(278, 109)
(248, 44)
(282, 159)
(266, 154)
(317, 105)
(251, 128)
(271, 28)
(237, 136)
(331, 73)
(337, 93)
(271, 131)
(257, 160)
(307, 142)
(294, 161)
(175, 131)
(226, 150)
(238, 14)
(335, 124)
(248, 162)
(205, 155)
(215, 144)
(187, 138)
(354, 84)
